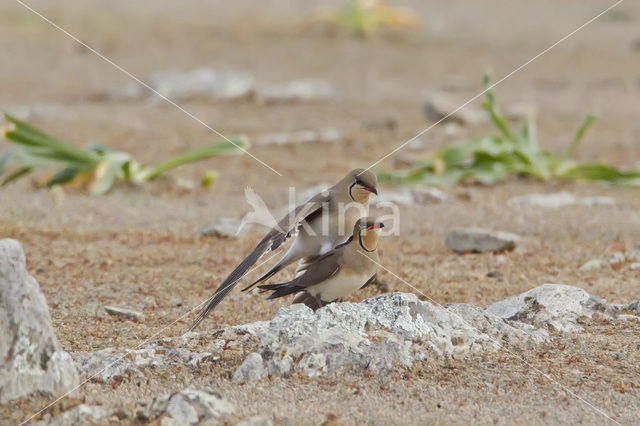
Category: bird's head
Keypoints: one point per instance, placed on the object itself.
(361, 184)
(367, 231)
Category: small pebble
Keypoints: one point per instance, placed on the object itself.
(125, 313)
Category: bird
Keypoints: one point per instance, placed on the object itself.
(337, 273)
(318, 226)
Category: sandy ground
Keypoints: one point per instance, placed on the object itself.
(136, 247)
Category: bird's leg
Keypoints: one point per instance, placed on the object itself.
(319, 302)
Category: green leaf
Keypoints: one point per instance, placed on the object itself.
(444, 180)
(23, 171)
(30, 137)
(601, 172)
(498, 120)
(4, 161)
(63, 176)
(489, 159)
(586, 123)
(32, 148)
(223, 148)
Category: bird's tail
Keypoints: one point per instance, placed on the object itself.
(277, 268)
(229, 283)
(280, 289)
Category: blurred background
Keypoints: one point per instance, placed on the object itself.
(317, 87)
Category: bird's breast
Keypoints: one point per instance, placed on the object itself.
(338, 286)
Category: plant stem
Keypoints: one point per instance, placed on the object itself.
(190, 157)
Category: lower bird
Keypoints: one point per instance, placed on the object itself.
(339, 272)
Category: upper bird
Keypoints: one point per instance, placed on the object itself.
(337, 273)
(319, 225)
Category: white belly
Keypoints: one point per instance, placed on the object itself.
(338, 287)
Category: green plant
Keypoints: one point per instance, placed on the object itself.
(366, 17)
(489, 159)
(98, 165)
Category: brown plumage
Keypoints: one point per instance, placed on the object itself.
(324, 210)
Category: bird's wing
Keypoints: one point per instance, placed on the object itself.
(370, 280)
(305, 262)
(322, 269)
(286, 228)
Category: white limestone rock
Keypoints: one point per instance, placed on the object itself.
(32, 359)
(553, 305)
(82, 414)
(188, 406)
(225, 227)
(295, 90)
(251, 369)
(380, 333)
(557, 200)
(125, 313)
(201, 83)
(475, 240)
(107, 364)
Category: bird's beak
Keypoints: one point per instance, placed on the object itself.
(373, 189)
(377, 225)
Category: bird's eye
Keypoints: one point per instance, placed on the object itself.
(359, 182)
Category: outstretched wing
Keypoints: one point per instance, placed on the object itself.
(277, 236)
(322, 269)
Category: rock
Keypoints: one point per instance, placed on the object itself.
(554, 305)
(40, 111)
(634, 307)
(428, 195)
(251, 369)
(186, 407)
(302, 136)
(191, 350)
(617, 258)
(592, 265)
(556, 200)
(125, 313)
(295, 90)
(107, 364)
(223, 84)
(559, 199)
(79, 415)
(380, 333)
(381, 124)
(256, 421)
(452, 129)
(411, 196)
(597, 201)
(402, 196)
(224, 227)
(479, 240)
(441, 105)
(620, 257)
(32, 360)
(199, 83)
(189, 406)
